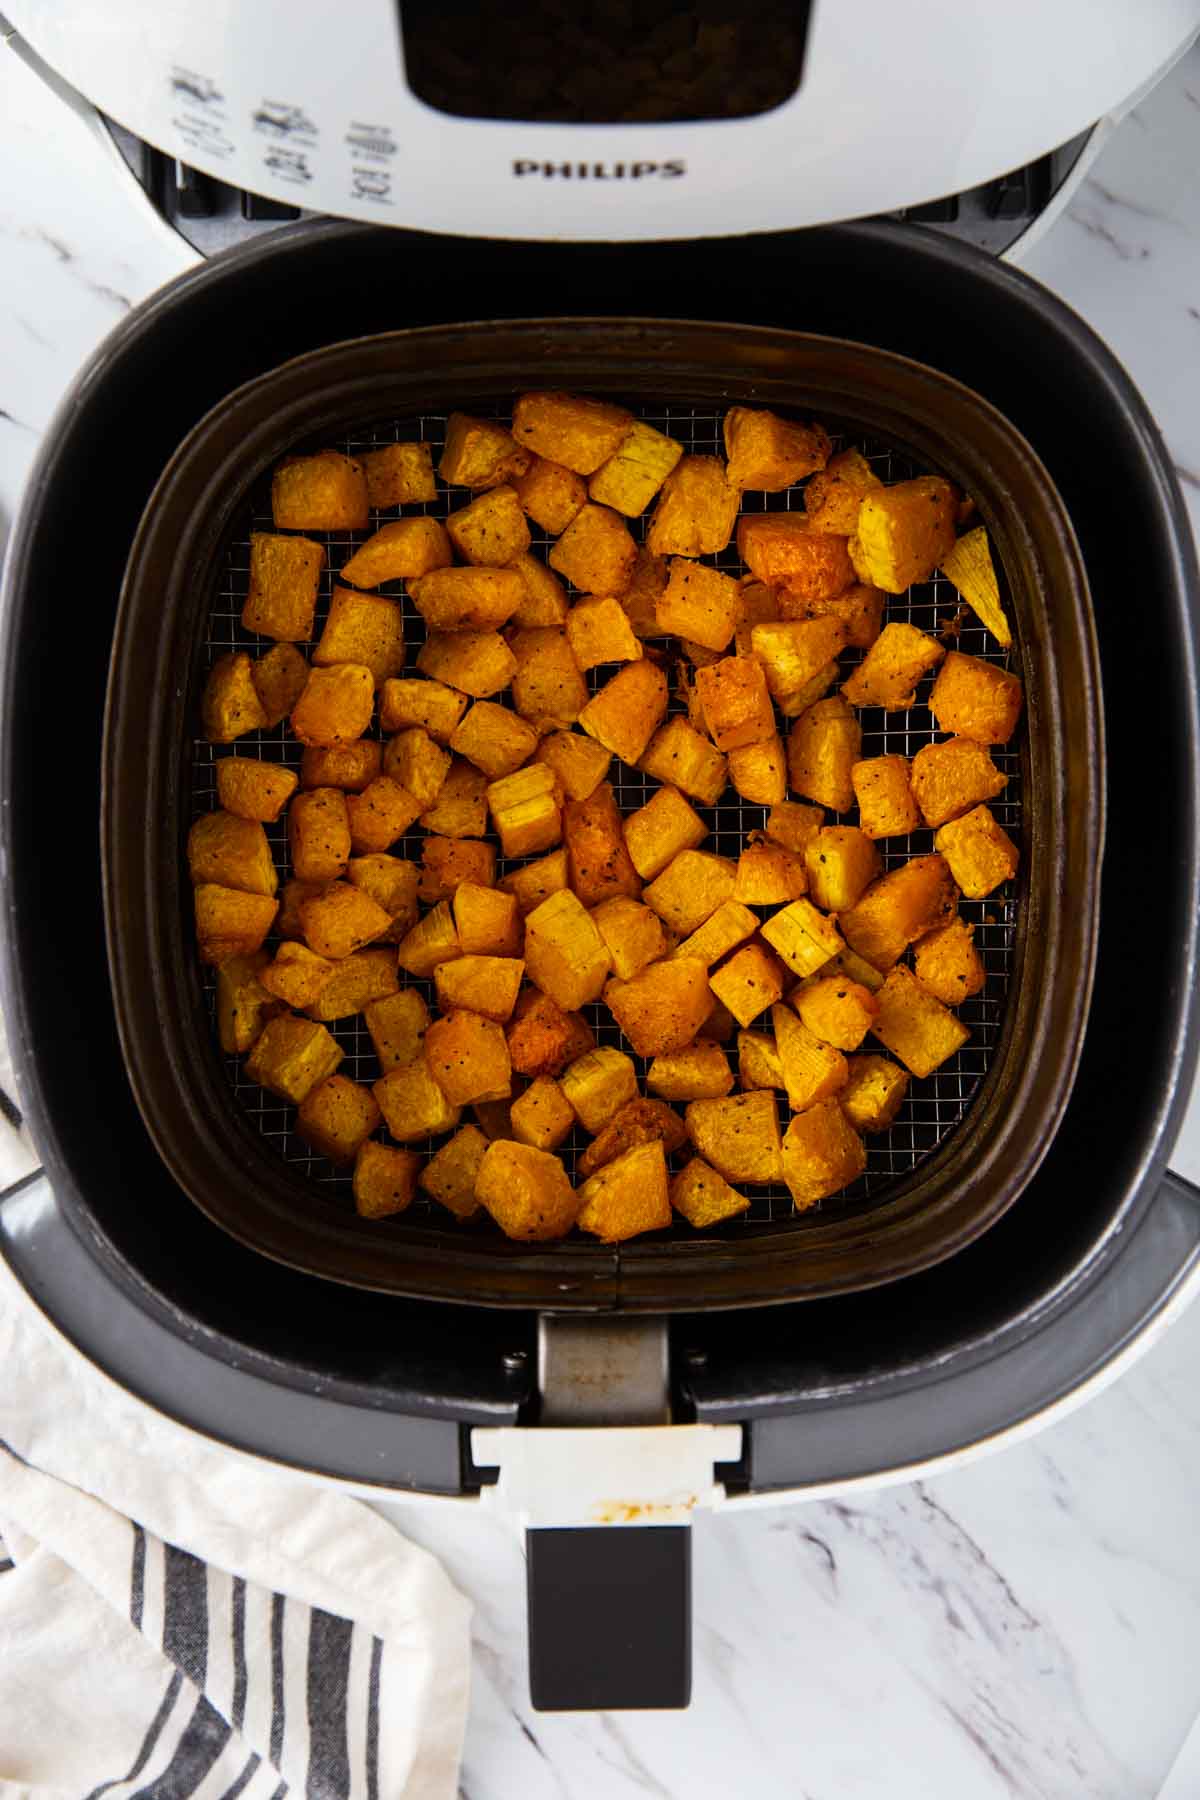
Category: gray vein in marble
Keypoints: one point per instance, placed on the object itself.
(633, 1766)
(64, 254)
(1111, 198)
(1095, 229)
(7, 418)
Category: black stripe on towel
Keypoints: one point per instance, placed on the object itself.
(204, 1738)
(6, 1563)
(185, 1612)
(373, 1720)
(276, 1745)
(137, 1577)
(328, 1684)
(239, 1651)
(148, 1742)
(247, 1775)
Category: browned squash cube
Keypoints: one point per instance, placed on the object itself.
(231, 852)
(490, 531)
(341, 919)
(680, 755)
(874, 1094)
(859, 611)
(536, 881)
(494, 1119)
(759, 1065)
(832, 498)
(418, 763)
(794, 825)
(597, 1085)
(551, 494)
(598, 631)
(803, 937)
(254, 790)
(279, 676)
(596, 552)
(399, 474)
(640, 599)
(736, 702)
(460, 809)
(836, 1010)
(823, 747)
(633, 474)
(598, 864)
(483, 984)
(385, 1180)
(950, 778)
(769, 453)
(699, 1072)
(542, 1115)
(759, 772)
(633, 935)
(980, 852)
(450, 1175)
(703, 1197)
(467, 600)
(792, 705)
(526, 1191)
(412, 1103)
(663, 1008)
(231, 706)
(356, 983)
(319, 834)
(842, 862)
(696, 509)
(854, 967)
(690, 889)
(336, 705)
(432, 941)
(699, 603)
(494, 739)
(526, 809)
(628, 710)
(914, 1026)
(545, 601)
(627, 1196)
(783, 547)
(975, 699)
(295, 893)
(769, 875)
(243, 1003)
(730, 925)
(468, 1058)
(795, 652)
(397, 1025)
(325, 492)
(282, 597)
(547, 686)
(346, 766)
(402, 551)
(431, 705)
(657, 832)
(479, 453)
(297, 975)
(383, 812)
(337, 1117)
(738, 1136)
(479, 663)
(889, 672)
(578, 432)
(291, 1056)
(948, 964)
(903, 532)
(883, 788)
(447, 861)
(638, 1122)
(899, 908)
(542, 1038)
(812, 1069)
(488, 922)
(579, 762)
(822, 1154)
(565, 955)
(364, 629)
(748, 983)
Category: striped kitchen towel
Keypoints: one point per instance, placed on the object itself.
(180, 1622)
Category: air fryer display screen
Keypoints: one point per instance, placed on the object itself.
(601, 62)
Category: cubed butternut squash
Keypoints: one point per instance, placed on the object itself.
(337, 1117)
(397, 1025)
(627, 1196)
(663, 1008)
(680, 755)
(738, 1136)
(365, 629)
(572, 429)
(748, 982)
(404, 550)
(874, 1092)
(899, 908)
(803, 937)
(736, 702)
(823, 746)
(947, 963)
(598, 865)
(886, 804)
(841, 862)
(949, 778)
(596, 552)
(783, 547)
(902, 532)
(703, 1197)
(699, 1072)
(468, 1058)
(696, 509)
(634, 936)
(633, 474)
(398, 474)
(976, 699)
(450, 1174)
(542, 1115)
(565, 955)
(412, 1103)
(699, 603)
(914, 1026)
(385, 1180)
(627, 711)
(483, 984)
(889, 672)
(526, 809)
(291, 1056)
(979, 851)
(769, 453)
(490, 531)
(285, 572)
(822, 1154)
(526, 1191)
(325, 492)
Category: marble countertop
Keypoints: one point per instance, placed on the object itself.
(1024, 1626)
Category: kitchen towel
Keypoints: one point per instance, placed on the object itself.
(182, 1622)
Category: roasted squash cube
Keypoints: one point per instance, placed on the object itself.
(295, 893)
(822, 1154)
(980, 852)
(341, 919)
(282, 598)
(794, 825)
(431, 705)
(494, 1119)
(489, 531)
(874, 1093)
(678, 754)
(690, 889)
(842, 862)
(823, 746)
(325, 492)
(337, 1117)
(731, 924)
(699, 1072)
(596, 552)
(230, 706)
(480, 663)
(526, 809)
(699, 603)
(402, 551)
(412, 1102)
(536, 881)
(975, 699)
(696, 509)
(542, 1115)
(792, 705)
(230, 922)
(297, 975)
(291, 1056)
(319, 834)
(243, 1003)
(628, 710)
(656, 833)
(598, 631)
(769, 453)
(397, 1025)
(640, 598)
(883, 788)
(578, 432)
(254, 790)
(365, 629)
(460, 810)
(795, 652)
(467, 600)
(597, 1085)
(633, 935)
(450, 1175)
(950, 778)
(738, 1136)
(494, 739)
(783, 547)
(357, 981)
(526, 1191)
(468, 1058)
(638, 1122)
(736, 702)
(542, 1038)
(948, 964)
(889, 672)
(579, 762)
(278, 676)
(903, 532)
(488, 922)
(849, 963)
(833, 497)
(418, 764)
(479, 453)
(748, 983)
(445, 862)
(232, 852)
(759, 1064)
(346, 766)
(899, 908)
(627, 1196)
(970, 567)
(703, 1197)
(399, 474)
(914, 1026)
(547, 685)
(812, 1069)
(564, 953)
(803, 937)
(633, 474)
(385, 1180)
(483, 984)
(759, 772)
(545, 601)
(383, 812)
(859, 611)
(336, 705)
(663, 1008)
(598, 864)
(550, 493)
(836, 1010)
(769, 875)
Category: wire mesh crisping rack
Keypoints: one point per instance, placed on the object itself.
(933, 1106)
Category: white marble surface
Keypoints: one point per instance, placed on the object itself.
(1028, 1626)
